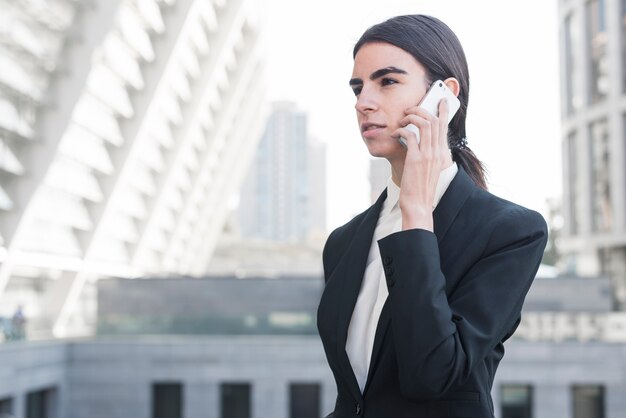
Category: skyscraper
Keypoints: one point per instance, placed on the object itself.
(283, 198)
(593, 86)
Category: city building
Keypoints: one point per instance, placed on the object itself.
(254, 257)
(593, 111)
(244, 356)
(284, 195)
(124, 126)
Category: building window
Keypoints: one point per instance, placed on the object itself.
(235, 400)
(516, 401)
(41, 404)
(624, 46)
(304, 400)
(598, 46)
(574, 187)
(573, 73)
(601, 175)
(6, 406)
(588, 401)
(167, 400)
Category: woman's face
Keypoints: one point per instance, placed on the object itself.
(386, 81)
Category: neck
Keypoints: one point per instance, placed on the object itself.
(397, 168)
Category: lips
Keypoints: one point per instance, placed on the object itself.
(370, 126)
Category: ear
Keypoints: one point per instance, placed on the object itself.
(453, 84)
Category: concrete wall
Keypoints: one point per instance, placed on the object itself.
(552, 368)
(32, 366)
(124, 370)
(113, 377)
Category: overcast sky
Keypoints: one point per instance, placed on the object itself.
(513, 116)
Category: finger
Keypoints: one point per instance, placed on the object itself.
(420, 111)
(427, 123)
(415, 131)
(424, 126)
(444, 111)
(435, 145)
(411, 135)
(417, 120)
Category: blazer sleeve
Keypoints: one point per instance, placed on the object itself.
(439, 340)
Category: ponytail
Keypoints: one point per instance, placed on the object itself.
(465, 158)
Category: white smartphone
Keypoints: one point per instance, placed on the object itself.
(430, 102)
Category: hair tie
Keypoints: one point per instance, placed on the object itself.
(460, 144)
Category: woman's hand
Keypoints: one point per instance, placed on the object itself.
(422, 165)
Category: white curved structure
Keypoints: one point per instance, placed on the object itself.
(124, 125)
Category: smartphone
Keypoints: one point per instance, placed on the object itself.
(430, 102)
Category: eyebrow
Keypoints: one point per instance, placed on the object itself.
(377, 74)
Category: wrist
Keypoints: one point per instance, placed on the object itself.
(420, 218)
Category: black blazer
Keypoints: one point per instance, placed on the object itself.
(455, 296)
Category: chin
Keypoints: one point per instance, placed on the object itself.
(384, 149)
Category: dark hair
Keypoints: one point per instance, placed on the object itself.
(433, 44)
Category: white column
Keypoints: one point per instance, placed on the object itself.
(220, 45)
(144, 105)
(230, 114)
(239, 154)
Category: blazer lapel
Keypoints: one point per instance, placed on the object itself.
(350, 270)
(451, 202)
(444, 214)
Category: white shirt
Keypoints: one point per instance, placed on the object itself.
(373, 293)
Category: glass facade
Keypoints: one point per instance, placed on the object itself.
(601, 176)
(167, 400)
(212, 306)
(597, 42)
(588, 401)
(573, 184)
(516, 401)
(235, 400)
(304, 400)
(573, 64)
(623, 29)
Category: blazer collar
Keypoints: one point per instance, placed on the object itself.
(350, 271)
(451, 202)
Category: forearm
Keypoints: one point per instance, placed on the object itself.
(423, 330)
(417, 217)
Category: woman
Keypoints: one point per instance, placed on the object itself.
(423, 288)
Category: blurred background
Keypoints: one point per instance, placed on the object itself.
(170, 170)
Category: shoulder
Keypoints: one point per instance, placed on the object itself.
(342, 235)
(507, 220)
(505, 211)
(339, 239)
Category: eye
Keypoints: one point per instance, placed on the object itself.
(357, 90)
(387, 81)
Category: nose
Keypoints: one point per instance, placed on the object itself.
(366, 102)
